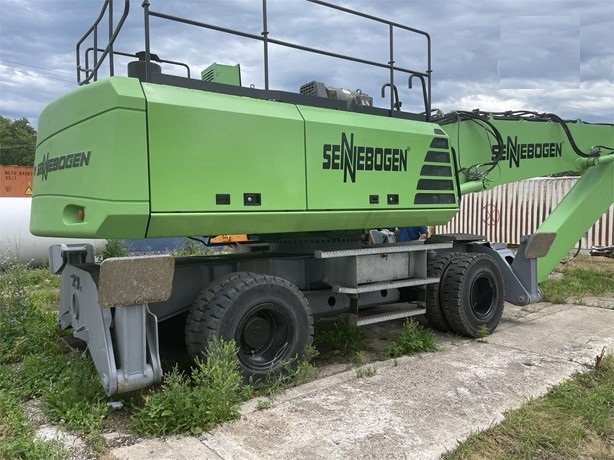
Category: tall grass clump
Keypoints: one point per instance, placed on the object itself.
(26, 326)
(37, 362)
(28, 346)
(339, 338)
(115, 248)
(211, 395)
(413, 339)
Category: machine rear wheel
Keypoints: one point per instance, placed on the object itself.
(472, 294)
(268, 318)
(436, 267)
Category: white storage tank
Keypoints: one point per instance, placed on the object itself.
(17, 244)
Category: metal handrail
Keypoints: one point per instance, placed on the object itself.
(92, 74)
(264, 37)
(391, 26)
(136, 55)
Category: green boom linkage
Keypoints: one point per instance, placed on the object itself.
(306, 175)
(540, 145)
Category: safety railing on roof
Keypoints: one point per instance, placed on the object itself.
(98, 55)
(87, 74)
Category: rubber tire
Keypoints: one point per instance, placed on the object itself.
(436, 267)
(472, 294)
(228, 305)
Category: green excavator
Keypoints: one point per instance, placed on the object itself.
(307, 175)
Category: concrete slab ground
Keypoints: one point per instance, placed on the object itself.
(414, 407)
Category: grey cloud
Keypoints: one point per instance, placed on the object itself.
(465, 45)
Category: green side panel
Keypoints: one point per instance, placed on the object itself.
(358, 161)
(206, 145)
(92, 154)
(300, 192)
(57, 216)
(209, 152)
(154, 160)
(89, 101)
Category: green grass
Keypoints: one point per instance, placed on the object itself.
(290, 373)
(192, 248)
(115, 248)
(26, 322)
(339, 338)
(119, 248)
(365, 372)
(17, 439)
(212, 393)
(413, 339)
(574, 420)
(28, 348)
(194, 404)
(37, 361)
(581, 277)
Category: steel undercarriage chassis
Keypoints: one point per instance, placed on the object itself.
(267, 301)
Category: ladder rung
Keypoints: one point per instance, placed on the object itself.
(371, 287)
(380, 318)
(382, 249)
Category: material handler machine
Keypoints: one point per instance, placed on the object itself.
(306, 175)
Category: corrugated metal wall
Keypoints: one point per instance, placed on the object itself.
(509, 211)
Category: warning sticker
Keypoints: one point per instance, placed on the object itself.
(28, 191)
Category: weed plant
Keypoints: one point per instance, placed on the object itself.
(365, 372)
(291, 372)
(339, 338)
(413, 339)
(362, 357)
(263, 404)
(305, 370)
(211, 395)
(483, 332)
(115, 248)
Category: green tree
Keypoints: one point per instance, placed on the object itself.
(17, 142)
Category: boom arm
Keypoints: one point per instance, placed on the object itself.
(526, 145)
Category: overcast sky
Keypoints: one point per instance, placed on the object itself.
(496, 55)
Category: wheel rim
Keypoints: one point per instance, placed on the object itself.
(262, 336)
(482, 297)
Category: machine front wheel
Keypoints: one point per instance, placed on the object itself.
(268, 318)
(472, 294)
